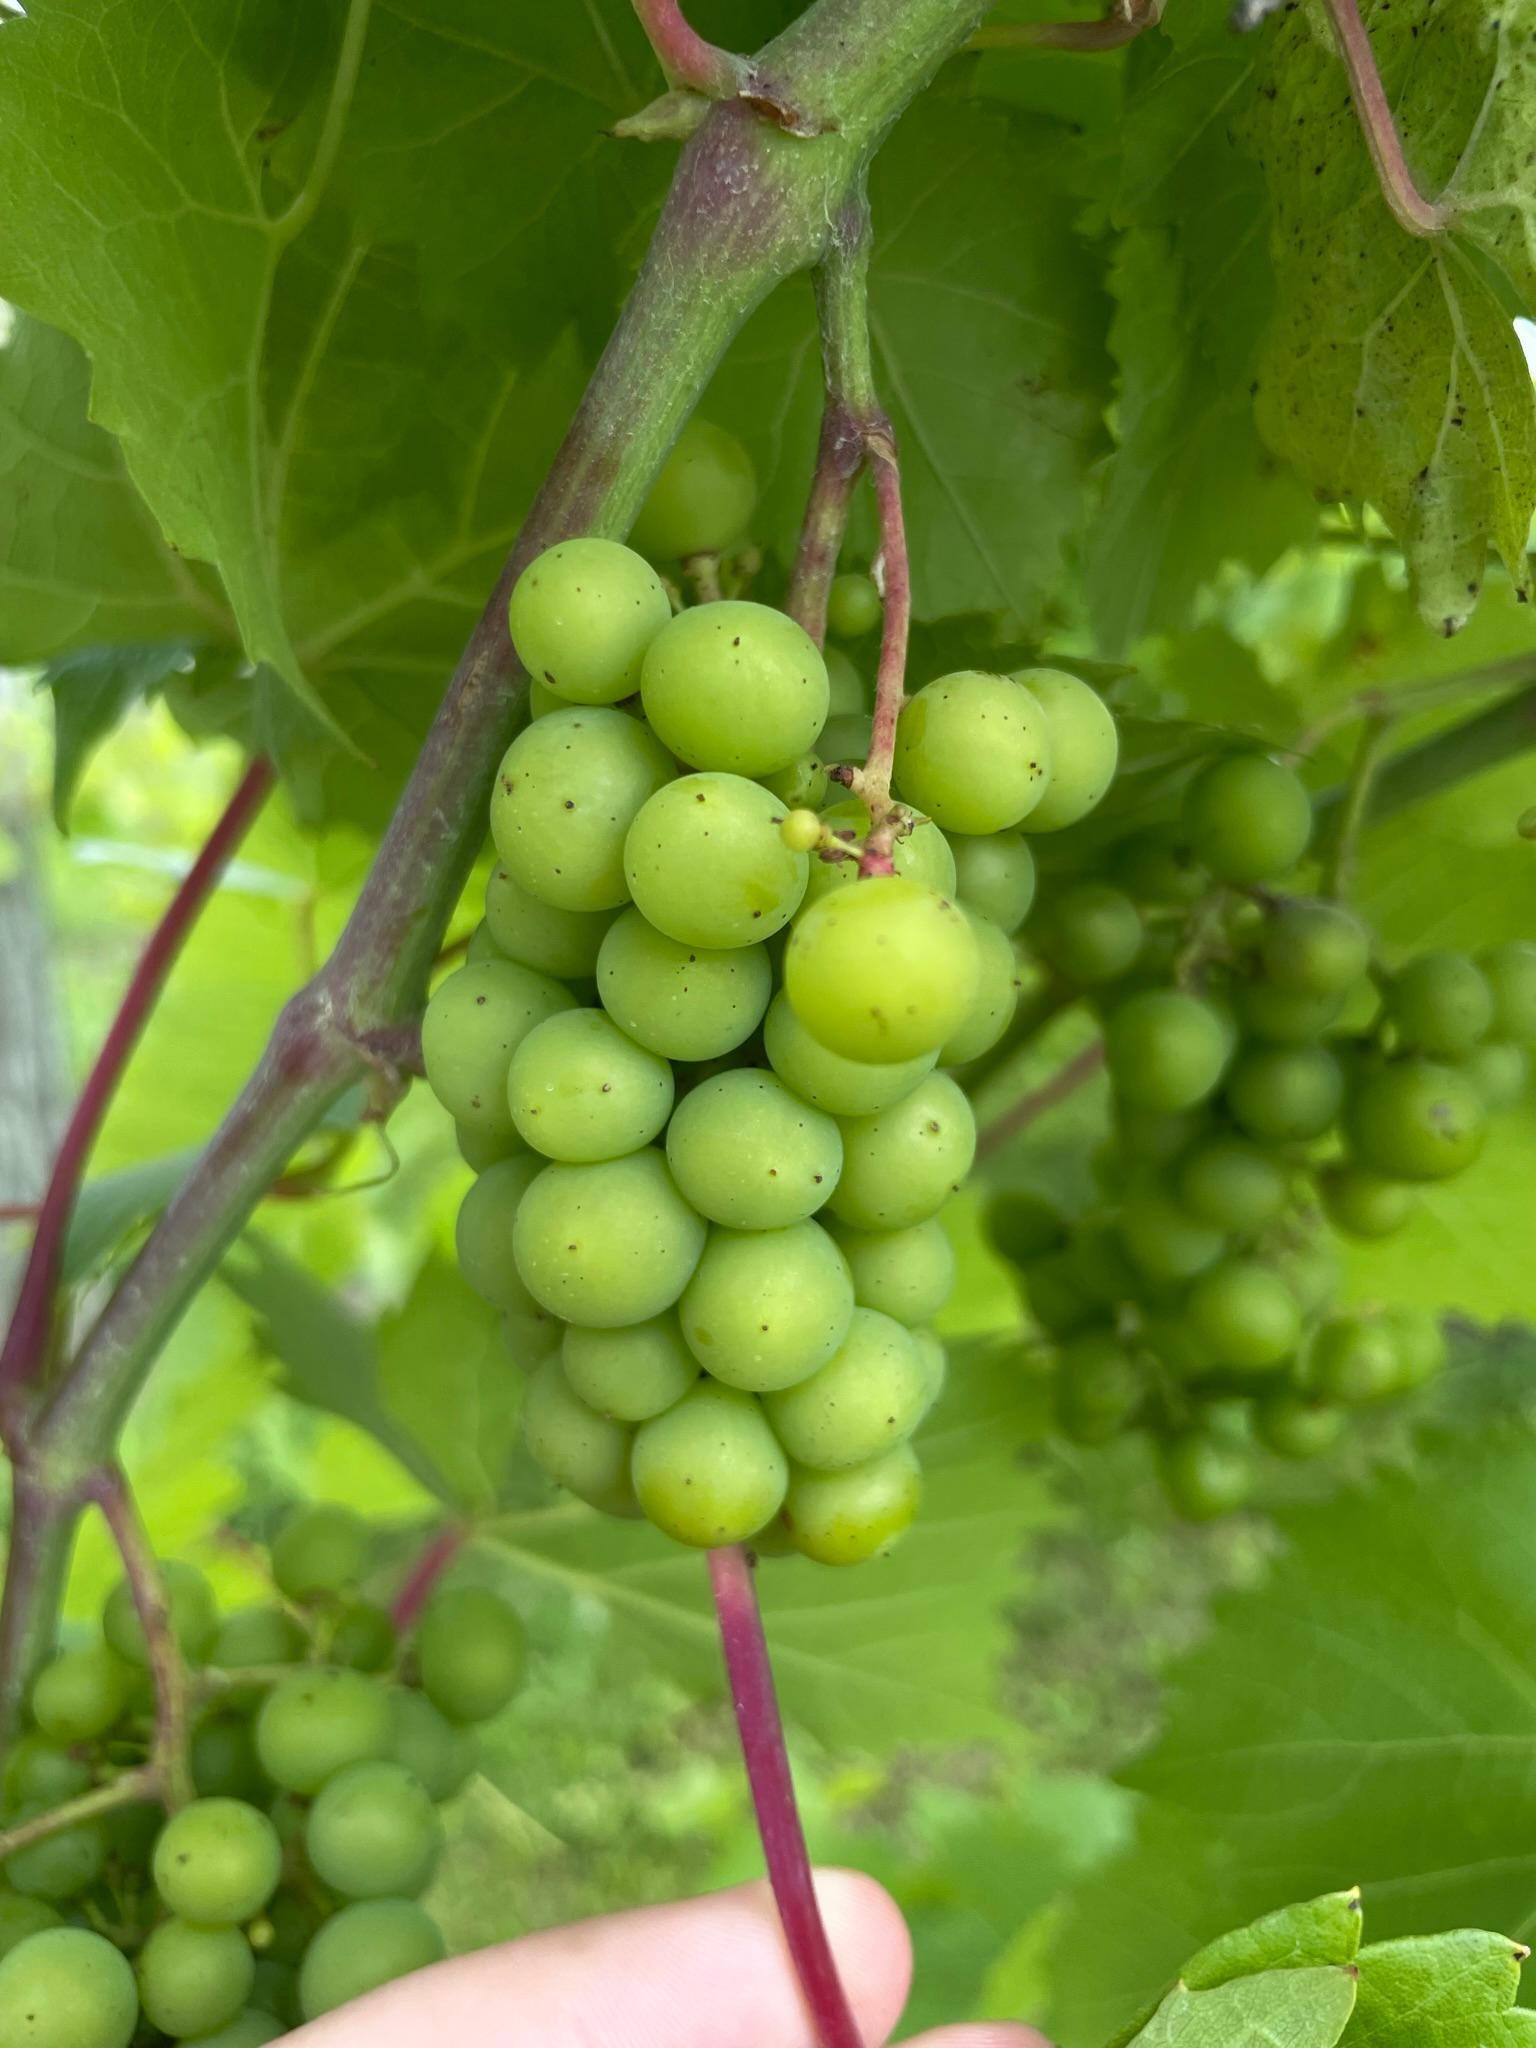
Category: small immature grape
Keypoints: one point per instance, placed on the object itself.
(801, 831)
(1100, 1387)
(374, 1833)
(483, 1231)
(1314, 1273)
(702, 498)
(21, 1918)
(582, 615)
(631, 1374)
(256, 1635)
(973, 751)
(842, 1086)
(562, 943)
(1205, 1476)
(427, 1744)
(365, 1945)
(995, 876)
(193, 1979)
(922, 855)
(1314, 948)
(1165, 1240)
(474, 1023)
(1166, 1050)
(1292, 1426)
(902, 1164)
(582, 1091)
(1247, 818)
(1025, 1226)
(1098, 1259)
(802, 786)
(79, 1694)
(1055, 1297)
(735, 685)
(745, 1151)
(607, 1244)
(471, 1652)
(882, 972)
(1416, 1120)
(767, 1307)
(67, 1988)
(850, 1516)
(710, 1471)
(60, 1866)
(1084, 747)
(217, 1862)
(1156, 1137)
(362, 1637)
(1285, 1093)
(1510, 972)
(317, 1722)
(846, 737)
(1499, 1072)
(1441, 1004)
(870, 1395)
(707, 865)
(1365, 1204)
(996, 997)
(683, 1002)
(1091, 933)
(908, 1274)
(586, 1453)
(321, 1550)
(1245, 1315)
(853, 607)
(1232, 1183)
(1354, 1360)
(568, 789)
(193, 1615)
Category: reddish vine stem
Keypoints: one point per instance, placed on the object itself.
(685, 57)
(1029, 1108)
(172, 1763)
(27, 1339)
(839, 463)
(894, 575)
(756, 1707)
(1420, 216)
(1124, 22)
(423, 1576)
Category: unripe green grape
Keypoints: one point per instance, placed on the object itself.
(1285, 1016)
(288, 1926)
(1227, 1181)
(523, 928)
(710, 1471)
(1354, 1359)
(1499, 1072)
(374, 1832)
(1416, 1120)
(973, 751)
(1313, 1272)
(256, 1635)
(67, 1988)
(934, 1359)
(1165, 1240)
(735, 685)
(1247, 818)
(883, 972)
(702, 498)
(586, 1453)
(903, 1163)
(848, 691)
(922, 855)
(365, 1945)
(480, 1149)
(224, 1760)
(851, 1516)
(1166, 1050)
(803, 786)
(1090, 933)
(846, 737)
(996, 998)
(1084, 747)
(1418, 1338)
(483, 1232)
(1314, 948)
(217, 1862)
(706, 863)
(746, 1152)
(1056, 1301)
(1365, 1204)
(1100, 1386)
(471, 1652)
(607, 1244)
(581, 1091)
(1155, 866)
(995, 876)
(362, 1638)
(629, 1375)
(567, 791)
(1024, 1226)
(683, 1002)
(1510, 972)
(275, 1992)
(766, 1308)
(427, 1744)
(1156, 1137)
(1097, 1257)
(194, 1618)
(1245, 1315)
(317, 1722)
(531, 1334)
(193, 1979)
(248, 2029)
(582, 615)
(853, 606)
(1285, 1093)
(21, 1918)
(37, 1773)
(843, 1087)
(1440, 1003)
(60, 1866)
(1292, 1426)
(908, 1274)
(872, 1393)
(474, 1023)
(1205, 1476)
(79, 1694)
(321, 1550)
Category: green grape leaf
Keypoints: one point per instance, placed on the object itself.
(1440, 1991)
(445, 1376)
(1280, 2009)
(1321, 1930)
(93, 690)
(488, 1836)
(112, 1206)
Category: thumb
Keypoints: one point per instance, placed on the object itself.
(990, 2034)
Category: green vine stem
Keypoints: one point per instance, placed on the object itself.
(1453, 755)
(129, 1788)
(1013, 1121)
(171, 1762)
(1350, 820)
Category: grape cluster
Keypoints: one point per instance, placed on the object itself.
(320, 1749)
(1274, 1084)
(697, 1056)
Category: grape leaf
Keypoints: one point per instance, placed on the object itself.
(1280, 2009)
(1321, 1930)
(445, 1375)
(93, 689)
(1441, 1991)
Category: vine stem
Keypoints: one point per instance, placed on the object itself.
(172, 1763)
(756, 1706)
(1420, 216)
(839, 462)
(1339, 869)
(423, 1576)
(1018, 1117)
(129, 1788)
(685, 57)
(1124, 22)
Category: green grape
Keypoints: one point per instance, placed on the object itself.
(60, 1866)
(767, 1307)
(1313, 1273)
(841, 1086)
(374, 1832)
(1155, 866)
(802, 786)
(1247, 818)
(1365, 1204)
(427, 1744)
(567, 791)
(21, 1918)
(1154, 1137)
(480, 1149)
(846, 737)
(1285, 1016)
(224, 1760)
(79, 1694)
(848, 692)
(995, 876)
(1205, 1476)
(317, 1722)
(1440, 1004)
(908, 1274)
(1099, 1263)
(532, 933)
(532, 1334)
(1056, 1300)
(1313, 948)
(903, 1163)
(996, 998)
(851, 1516)
(683, 1002)
(275, 1993)
(471, 1652)
(1354, 1360)
(1100, 1387)
(483, 1232)
(1166, 1050)
(193, 1615)
(745, 1151)
(1415, 1120)
(586, 1453)
(217, 1862)
(582, 615)
(702, 498)
(922, 855)
(1499, 1072)
(1024, 1226)
(365, 1945)
(474, 1023)
(67, 1988)
(935, 1363)
(320, 1550)
(872, 1393)
(37, 1773)
(710, 1471)
(1285, 1093)
(853, 607)
(256, 1635)
(629, 1375)
(363, 1638)
(581, 1091)
(707, 863)
(1292, 1426)
(607, 1244)
(973, 751)
(193, 1979)
(1245, 1316)
(1091, 933)
(1419, 1340)
(1084, 747)
(883, 972)
(287, 1927)
(735, 685)
(248, 2029)
(1228, 1181)
(1165, 1240)
(1510, 972)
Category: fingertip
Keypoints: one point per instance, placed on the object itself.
(992, 2034)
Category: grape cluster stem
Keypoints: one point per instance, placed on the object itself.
(1063, 1084)
(434, 1560)
(170, 1766)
